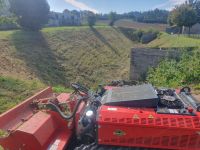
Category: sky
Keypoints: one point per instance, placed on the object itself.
(119, 6)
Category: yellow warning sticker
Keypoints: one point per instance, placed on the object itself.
(151, 116)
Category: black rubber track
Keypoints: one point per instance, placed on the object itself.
(94, 146)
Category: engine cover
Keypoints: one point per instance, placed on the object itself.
(143, 127)
(132, 96)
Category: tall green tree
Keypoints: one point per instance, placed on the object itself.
(32, 14)
(113, 18)
(183, 15)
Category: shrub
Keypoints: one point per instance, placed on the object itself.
(173, 73)
(136, 35)
(148, 37)
(7, 23)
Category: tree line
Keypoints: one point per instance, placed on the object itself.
(185, 15)
(151, 16)
(34, 14)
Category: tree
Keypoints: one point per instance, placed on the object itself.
(91, 19)
(183, 15)
(113, 18)
(154, 16)
(32, 14)
(197, 8)
(1, 4)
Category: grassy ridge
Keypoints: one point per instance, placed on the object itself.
(169, 41)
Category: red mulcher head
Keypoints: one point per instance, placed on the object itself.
(31, 129)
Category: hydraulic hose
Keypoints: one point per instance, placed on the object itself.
(55, 108)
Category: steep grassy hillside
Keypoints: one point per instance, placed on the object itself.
(63, 55)
(166, 40)
(57, 56)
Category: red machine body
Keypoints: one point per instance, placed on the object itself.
(145, 128)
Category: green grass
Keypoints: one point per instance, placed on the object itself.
(61, 89)
(167, 41)
(13, 91)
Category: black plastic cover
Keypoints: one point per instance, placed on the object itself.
(143, 96)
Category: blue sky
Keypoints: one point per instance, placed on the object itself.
(105, 6)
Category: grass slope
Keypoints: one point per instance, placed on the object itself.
(166, 41)
(67, 54)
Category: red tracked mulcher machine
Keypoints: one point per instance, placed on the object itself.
(121, 118)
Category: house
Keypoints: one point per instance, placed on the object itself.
(66, 18)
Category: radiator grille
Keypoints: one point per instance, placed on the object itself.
(185, 141)
(167, 122)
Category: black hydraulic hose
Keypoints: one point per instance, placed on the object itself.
(55, 108)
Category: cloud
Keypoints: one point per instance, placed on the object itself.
(81, 5)
(169, 4)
